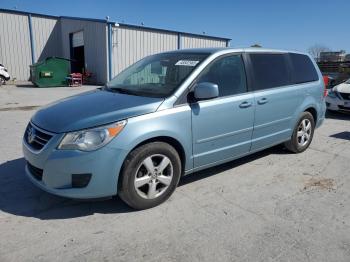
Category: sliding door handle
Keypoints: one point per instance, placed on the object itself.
(262, 101)
(245, 104)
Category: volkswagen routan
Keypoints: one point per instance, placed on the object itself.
(171, 114)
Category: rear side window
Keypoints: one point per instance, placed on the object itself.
(303, 69)
(269, 70)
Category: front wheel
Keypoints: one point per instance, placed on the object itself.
(302, 134)
(150, 175)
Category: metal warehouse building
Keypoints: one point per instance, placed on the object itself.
(102, 47)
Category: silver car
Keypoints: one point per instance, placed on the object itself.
(338, 98)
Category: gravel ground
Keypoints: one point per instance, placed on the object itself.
(270, 206)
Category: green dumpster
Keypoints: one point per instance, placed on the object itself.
(50, 72)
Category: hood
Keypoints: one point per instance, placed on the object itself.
(342, 88)
(92, 109)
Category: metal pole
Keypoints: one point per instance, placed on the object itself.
(179, 41)
(32, 45)
(109, 51)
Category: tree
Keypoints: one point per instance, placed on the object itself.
(316, 50)
(256, 45)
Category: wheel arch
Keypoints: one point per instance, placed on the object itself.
(311, 105)
(169, 140)
(166, 139)
(312, 110)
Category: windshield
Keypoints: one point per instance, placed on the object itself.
(157, 75)
(347, 81)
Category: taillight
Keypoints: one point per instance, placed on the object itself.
(325, 92)
(326, 83)
(326, 80)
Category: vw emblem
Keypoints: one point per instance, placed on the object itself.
(31, 135)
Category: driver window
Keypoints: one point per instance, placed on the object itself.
(153, 73)
(228, 73)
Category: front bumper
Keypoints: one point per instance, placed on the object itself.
(6, 76)
(58, 166)
(337, 104)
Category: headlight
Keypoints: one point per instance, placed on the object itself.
(332, 94)
(91, 139)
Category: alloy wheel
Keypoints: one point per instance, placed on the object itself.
(304, 132)
(153, 176)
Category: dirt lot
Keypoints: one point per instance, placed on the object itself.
(270, 206)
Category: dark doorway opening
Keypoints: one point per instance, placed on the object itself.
(77, 54)
(78, 57)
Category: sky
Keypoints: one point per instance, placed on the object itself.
(293, 24)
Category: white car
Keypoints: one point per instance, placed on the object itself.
(338, 98)
(4, 75)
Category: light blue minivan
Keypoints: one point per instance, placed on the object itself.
(169, 115)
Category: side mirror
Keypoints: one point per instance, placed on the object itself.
(206, 90)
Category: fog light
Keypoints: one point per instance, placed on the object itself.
(80, 180)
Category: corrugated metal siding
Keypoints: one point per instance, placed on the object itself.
(188, 41)
(46, 34)
(130, 45)
(15, 51)
(95, 45)
(51, 38)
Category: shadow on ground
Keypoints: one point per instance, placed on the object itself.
(276, 150)
(337, 115)
(342, 135)
(19, 197)
(25, 85)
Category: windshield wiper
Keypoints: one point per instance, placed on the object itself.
(121, 90)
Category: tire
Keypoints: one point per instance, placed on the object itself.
(150, 174)
(302, 134)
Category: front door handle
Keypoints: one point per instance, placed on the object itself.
(245, 104)
(262, 101)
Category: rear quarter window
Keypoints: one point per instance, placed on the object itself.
(269, 70)
(303, 70)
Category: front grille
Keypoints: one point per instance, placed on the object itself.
(37, 173)
(36, 138)
(345, 96)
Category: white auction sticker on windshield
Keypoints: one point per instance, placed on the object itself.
(187, 63)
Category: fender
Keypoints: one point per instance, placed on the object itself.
(309, 102)
(173, 123)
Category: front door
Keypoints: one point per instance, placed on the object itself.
(222, 127)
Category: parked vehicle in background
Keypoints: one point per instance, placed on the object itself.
(172, 114)
(328, 81)
(336, 78)
(338, 98)
(4, 75)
